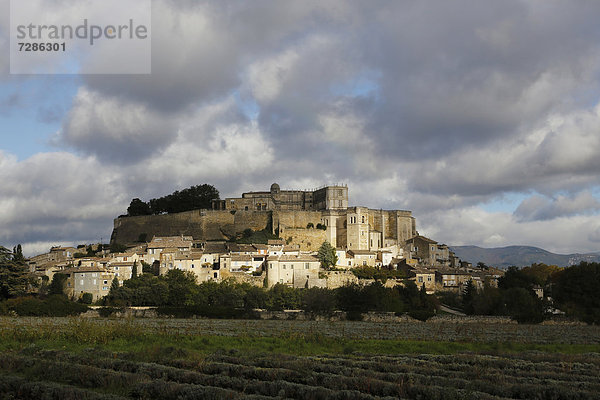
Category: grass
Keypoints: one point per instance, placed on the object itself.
(150, 343)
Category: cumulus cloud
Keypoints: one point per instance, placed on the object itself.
(115, 130)
(542, 208)
(472, 225)
(56, 196)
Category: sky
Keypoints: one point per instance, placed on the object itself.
(482, 117)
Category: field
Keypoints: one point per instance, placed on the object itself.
(78, 358)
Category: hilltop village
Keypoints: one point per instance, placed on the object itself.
(302, 224)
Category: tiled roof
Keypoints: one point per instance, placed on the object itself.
(170, 241)
(300, 258)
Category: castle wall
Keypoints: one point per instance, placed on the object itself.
(201, 224)
(296, 219)
(308, 239)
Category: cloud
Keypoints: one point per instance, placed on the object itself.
(542, 208)
(55, 196)
(115, 130)
(473, 226)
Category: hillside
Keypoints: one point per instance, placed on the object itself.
(504, 257)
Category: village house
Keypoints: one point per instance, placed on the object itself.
(203, 266)
(298, 271)
(362, 258)
(159, 244)
(93, 280)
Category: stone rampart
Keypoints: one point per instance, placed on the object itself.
(200, 224)
(296, 219)
(308, 239)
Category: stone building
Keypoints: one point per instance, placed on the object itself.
(94, 280)
(297, 271)
(325, 198)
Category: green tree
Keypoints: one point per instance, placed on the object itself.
(138, 207)
(86, 298)
(15, 279)
(182, 287)
(468, 296)
(134, 270)
(58, 284)
(523, 306)
(282, 297)
(318, 301)
(327, 255)
(193, 198)
(255, 297)
(18, 254)
(576, 290)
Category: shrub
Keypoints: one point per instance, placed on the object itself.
(53, 306)
(86, 298)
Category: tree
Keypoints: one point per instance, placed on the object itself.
(523, 306)
(469, 293)
(318, 301)
(327, 255)
(283, 297)
(576, 291)
(138, 207)
(134, 270)
(57, 286)
(18, 254)
(15, 279)
(182, 287)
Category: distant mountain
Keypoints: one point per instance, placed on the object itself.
(504, 257)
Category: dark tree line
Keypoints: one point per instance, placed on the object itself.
(193, 198)
(178, 289)
(574, 290)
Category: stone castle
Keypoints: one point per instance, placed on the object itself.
(305, 218)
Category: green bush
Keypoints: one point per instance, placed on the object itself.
(53, 306)
(86, 298)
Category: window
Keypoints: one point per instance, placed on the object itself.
(429, 279)
(94, 281)
(216, 275)
(364, 263)
(116, 268)
(104, 287)
(420, 279)
(283, 266)
(94, 275)
(306, 265)
(363, 219)
(81, 282)
(281, 281)
(105, 282)
(192, 265)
